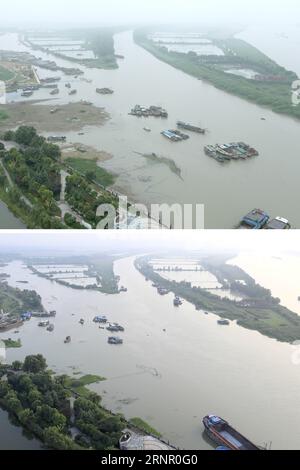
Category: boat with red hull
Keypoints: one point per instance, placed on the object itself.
(223, 434)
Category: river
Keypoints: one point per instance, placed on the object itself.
(12, 436)
(170, 378)
(269, 181)
(8, 220)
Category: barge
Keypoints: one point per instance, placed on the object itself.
(223, 434)
(55, 91)
(115, 328)
(27, 93)
(223, 322)
(115, 340)
(279, 223)
(189, 127)
(143, 111)
(174, 135)
(100, 319)
(256, 219)
(259, 219)
(56, 138)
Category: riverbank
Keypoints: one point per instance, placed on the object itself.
(257, 311)
(272, 90)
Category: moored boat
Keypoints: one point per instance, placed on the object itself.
(279, 223)
(223, 322)
(189, 127)
(115, 340)
(177, 302)
(256, 219)
(223, 434)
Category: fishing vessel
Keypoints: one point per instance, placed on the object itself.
(114, 340)
(223, 434)
(223, 322)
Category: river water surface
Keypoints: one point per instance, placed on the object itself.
(170, 378)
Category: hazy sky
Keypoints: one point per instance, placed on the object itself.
(77, 243)
(131, 11)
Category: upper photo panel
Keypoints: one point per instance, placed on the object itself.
(150, 114)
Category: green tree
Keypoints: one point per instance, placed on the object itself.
(35, 364)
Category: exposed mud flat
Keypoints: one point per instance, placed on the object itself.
(53, 118)
(84, 152)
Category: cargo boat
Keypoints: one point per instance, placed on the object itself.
(211, 152)
(100, 319)
(189, 127)
(256, 219)
(104, 91)
(27, 93)
(223, 434)
(174, 135)
(115, 340)
(279, 223)
(55, 91)
(177, 302)
(223, 322)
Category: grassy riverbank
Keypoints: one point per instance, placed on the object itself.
(11, 344)
(78, 385)
(41, 404)
(258, 311)
(15, 301)
(5, 74)
(92, 171)
(143, 426)
(272, 89)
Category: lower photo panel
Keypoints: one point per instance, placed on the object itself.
(149, 340)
